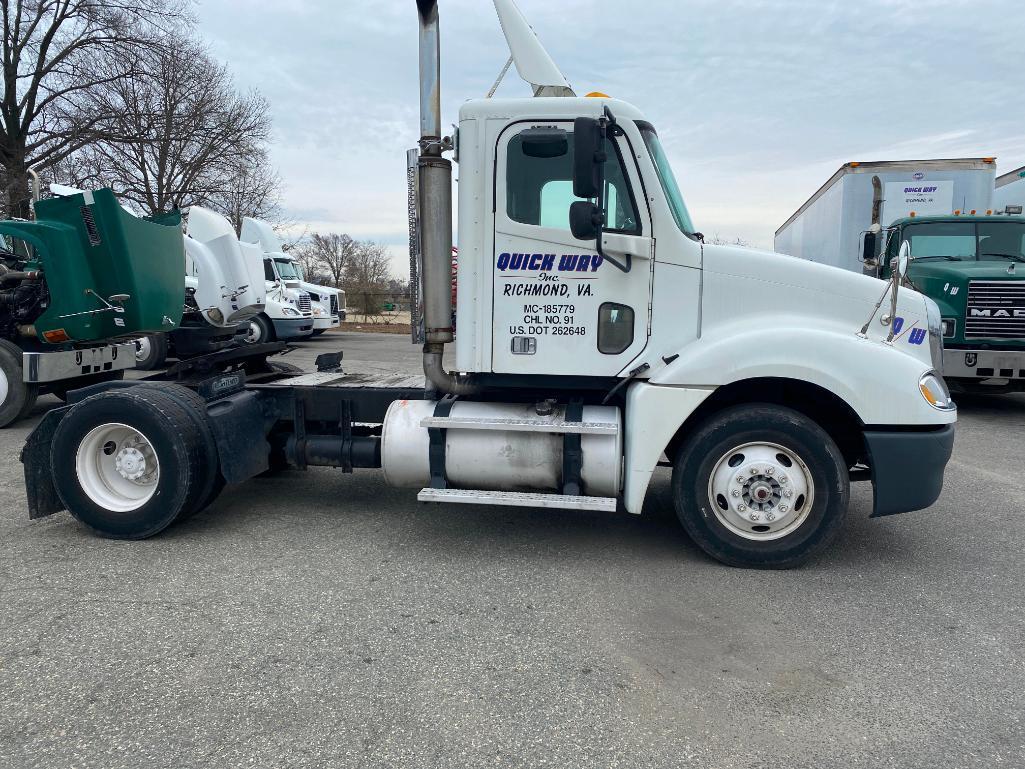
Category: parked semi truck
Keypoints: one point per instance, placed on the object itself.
(327, 305)
(599, 339)
(75, 284)
(965, 255)
(224, 290)
(1009, 192)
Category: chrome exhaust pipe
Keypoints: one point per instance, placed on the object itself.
(435, 204)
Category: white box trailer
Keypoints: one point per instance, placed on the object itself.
(828, 228)
(1009, 194)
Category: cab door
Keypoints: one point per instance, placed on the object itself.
(559, 307)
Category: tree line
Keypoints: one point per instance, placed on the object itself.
(125, 94)
(360, 267)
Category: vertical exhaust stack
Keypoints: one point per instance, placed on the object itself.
(435, 204)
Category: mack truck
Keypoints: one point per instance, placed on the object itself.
(966, 254)
(76, 282)
(599, 339)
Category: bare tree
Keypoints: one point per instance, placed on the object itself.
(58, 58)
(331, 253)
(254, 189)
(200, 141)
(718, 240)
(366, 274)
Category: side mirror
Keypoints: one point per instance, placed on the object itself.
(903, 258)
(584, 220)
(545, 142)
(868, 249)
(588, 157)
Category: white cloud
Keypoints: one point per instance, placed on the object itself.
(758, 102)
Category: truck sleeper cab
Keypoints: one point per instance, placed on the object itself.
(599, 336)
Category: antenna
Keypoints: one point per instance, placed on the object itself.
(532, 61)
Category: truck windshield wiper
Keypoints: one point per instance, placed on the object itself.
(1015, 257)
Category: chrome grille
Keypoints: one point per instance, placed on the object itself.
(996, 309)
(304, 303)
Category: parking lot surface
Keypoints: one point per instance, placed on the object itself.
(327, 620)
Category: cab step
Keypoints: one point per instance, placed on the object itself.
(557, 425)
(517, 499)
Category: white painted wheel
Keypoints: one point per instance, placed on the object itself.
(761, 491)
(255, 333)
(117, 467)
(143, 349)
(5, 387)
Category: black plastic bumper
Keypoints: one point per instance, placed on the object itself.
(907, 467)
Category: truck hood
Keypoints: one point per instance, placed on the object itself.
(949, 282)
(745, 282)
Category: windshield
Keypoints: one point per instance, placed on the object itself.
(287, 270)
(991, 241)
(665, 176)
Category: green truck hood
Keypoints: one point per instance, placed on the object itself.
(947, 283)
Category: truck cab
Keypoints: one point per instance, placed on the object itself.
(974, 268)
(600, 338)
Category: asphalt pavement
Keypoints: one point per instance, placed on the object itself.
(327, 620)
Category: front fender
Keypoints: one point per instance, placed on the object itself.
(878, 381)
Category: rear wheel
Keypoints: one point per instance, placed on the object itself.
(761, 486)
(16, 396)
(260, 330)
(151, 352)
(128, 463)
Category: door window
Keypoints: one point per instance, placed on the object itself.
(539, 191)
(615, 328)
(268, 270)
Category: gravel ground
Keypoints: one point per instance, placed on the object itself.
(325, 620)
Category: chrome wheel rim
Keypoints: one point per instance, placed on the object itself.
(117, 467)
(255, 332)
(761, 491)
(143, 348)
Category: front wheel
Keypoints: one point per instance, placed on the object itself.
(151, 352)
(761, 486)
(260, 330)
(16, 396)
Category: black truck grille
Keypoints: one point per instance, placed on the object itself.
(996, 309)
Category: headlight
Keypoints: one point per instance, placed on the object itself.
(949, 327)
(289, 312)
(935, 323)
(935, 391)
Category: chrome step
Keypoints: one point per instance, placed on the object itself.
(540, 425)
(517, 499)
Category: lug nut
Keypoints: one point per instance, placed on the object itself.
(735, 493)
(770, 516)
(741, 507)
(741, 479)
(788, 493)
(753, 516)
(783, 508)
(769, 471)
(782, 479)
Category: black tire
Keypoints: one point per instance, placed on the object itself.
(176, 439)
(262, 330)
(62, 388)
(20, 397)
(718, 438)
(156, 357)
(212, 482)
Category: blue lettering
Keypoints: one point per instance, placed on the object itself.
(503, 261)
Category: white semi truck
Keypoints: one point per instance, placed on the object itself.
(224, 290)
(599, 339)
(1009, 194)
(327, 304)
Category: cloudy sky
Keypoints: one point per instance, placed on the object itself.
(757, 101)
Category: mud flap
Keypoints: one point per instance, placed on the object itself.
(35, 456)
